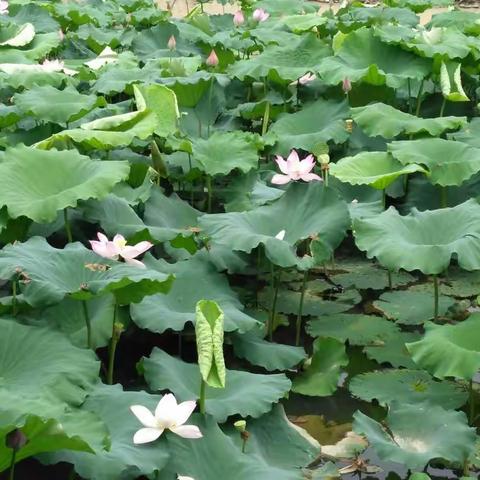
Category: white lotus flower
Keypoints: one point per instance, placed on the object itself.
(280, 235)
(3, 7)
(168, 416)
(107, 55)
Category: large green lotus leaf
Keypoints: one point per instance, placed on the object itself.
(195, 279)
(363, 274)
(411, 308)
(48, 274)
(430, 238)
(269, 355)
(38, 48)
(377, 169)
(284, 62)
(355, 328)
(379, 119)
(17, 36)
(277, 452)
(464, 21)
(38, 184)
(33, 13)
(314, 303)
(305, 22)
(165, 217)
(311, 209)
(76, 430)
(42, 372)
(319, 122)
(393, 351)
(211, 153)
(363, 57)
(360, 15)
(9, 115)
(448, 162)
(419, 6)
(460, 283)
(68, 316)
(461, 341)
(320, 378)
(442, 434)
(407, 387)
(245, 393)
(49, 104)
(124, 459)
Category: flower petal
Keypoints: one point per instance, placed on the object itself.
(187, 431)
(184, 410)
(308, 177)
(144, 415)
(146, 435)
(132, 251)
(278, 179)
(105, 250)
(293, 162)
(103, 238)
(119, 239)
(166, 410)
(282, 164)
(135, 263)
(307, 164)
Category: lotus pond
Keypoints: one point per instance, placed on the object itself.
(239, 246)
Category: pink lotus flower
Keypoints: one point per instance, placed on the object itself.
(260, 15)
(294, 169)
(3, 7)
(238, 18)
(346, 85)
(168, 416)
(172, 43)
(212, 60)
(307, 78)
(119, 248)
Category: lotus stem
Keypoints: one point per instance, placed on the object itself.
(266, 118)
(275, 287)
(390, 281)
(435, 294)
(300, 308)
(116, 333)
(409, 95)
(188, 6)
(419, 99)
(442, 108)
(11, 474)
(245, 435)
(210, 89)
(203, 387)
(191, 183)
(443, 197)
(68, 229)
(471, 402)
(209, 194)
(88, 323)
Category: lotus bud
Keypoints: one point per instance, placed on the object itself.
(238, 18)
(240, 425)
(260, 15)
(158, 163)
(15, 440)
(324, 159)
(212, 60)
(118, 329)
(172, 43)
(349, 125)
(346, 85)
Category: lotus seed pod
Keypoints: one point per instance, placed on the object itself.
(240, 425)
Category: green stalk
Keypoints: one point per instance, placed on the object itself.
(300, 309)
(11, 474)
(419, 99)
(390, 282)
(442, 108)
(68, 230)
(244, 443)
(409, 96)
(384, 198)
(203, 386)
(275, 285)
(435, 294)
(113, 346)
(209, 106)
(88, 323)
(266, 118)
(209, 194)
(191, 183)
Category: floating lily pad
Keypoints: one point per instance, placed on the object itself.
(461, 284)
(357, 329)
(321, 375)
(311, 209)
(444, 434)
(388, 122)
(431, 238)
(393, 351)
(246, 394)
(461, 341)
(409, 307)
(195, 280)
(407, 387)
(38, 184)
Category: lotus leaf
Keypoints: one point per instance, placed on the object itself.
(253, 393)
(430, 238)
(407, 387)
(459, 340)
(444, 434)
(386, 121)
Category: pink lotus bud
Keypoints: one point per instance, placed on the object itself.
(172, 43)
(260, 15)
(15, 440)
(238, 18)
(346, 85)
(212, 60)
